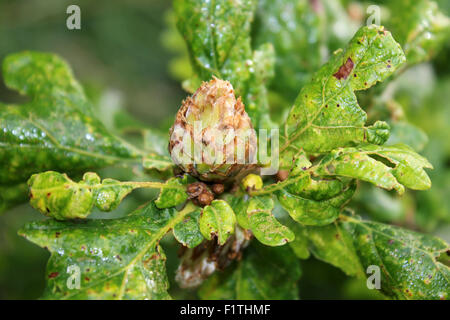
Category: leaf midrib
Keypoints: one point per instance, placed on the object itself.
(152, 242)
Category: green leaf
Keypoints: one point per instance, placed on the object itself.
(187, 232)
(156, 161)
(115, 259)
(239, 204)
(421, 28)
(300, 243)
(263, 224)
(389, 167)
(56, 195)
(217, 34)
(315, 188)
(255, 214)
(406, 133)
(293, 28)
(263, 273)
(156, 141)
(326, 114)
(217, 219)
(383, 206)
(331, 244)
(309, 211)
(255, 98)
(56, 129)
(173, 193)
(407, 259)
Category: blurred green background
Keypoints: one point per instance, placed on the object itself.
(121, 56)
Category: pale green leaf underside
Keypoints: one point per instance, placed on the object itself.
(263, 224)
(309, 211)
(255, 214)
(388, 167)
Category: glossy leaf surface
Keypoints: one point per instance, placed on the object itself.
(326, 114)
(110, 259)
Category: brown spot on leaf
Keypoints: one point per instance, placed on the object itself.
(344, 70)
(53, 275)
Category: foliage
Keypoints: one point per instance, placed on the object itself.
(329, 145)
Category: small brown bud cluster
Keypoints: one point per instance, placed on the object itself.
(218, 188)
(200, 194)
